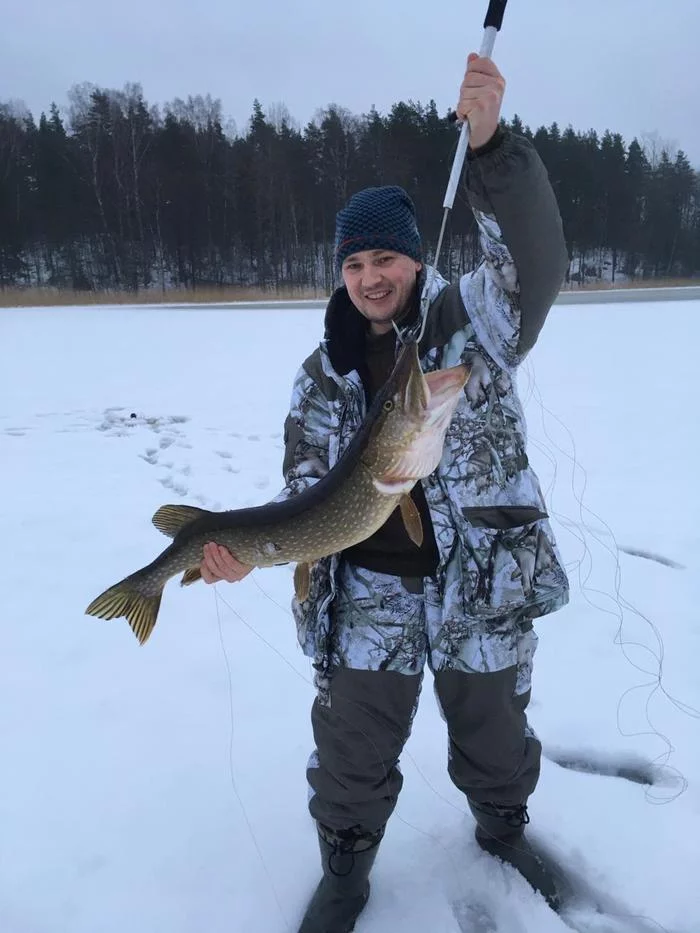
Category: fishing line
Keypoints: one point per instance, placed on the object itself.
(620, 601)
(656, 684)
(574, 529)
(569, 525)
(285, 610)
(231, 768)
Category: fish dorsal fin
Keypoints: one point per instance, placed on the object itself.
(191, 575)
(172, 518)
(411, 519)
(302, 581)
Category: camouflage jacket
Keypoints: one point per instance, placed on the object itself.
(498, 560)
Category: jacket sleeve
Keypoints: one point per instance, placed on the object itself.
(511, 292)
(307, 429)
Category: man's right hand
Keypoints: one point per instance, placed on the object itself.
(220, 564)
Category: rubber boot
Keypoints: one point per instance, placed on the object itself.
(500, 831)
(347, 858)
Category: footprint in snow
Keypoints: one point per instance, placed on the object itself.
(253, 437)
(151, 456)
(165, 442)
(170, 483)
(224, 453)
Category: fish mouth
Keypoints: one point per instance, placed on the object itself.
(423, 453)
(444, 385)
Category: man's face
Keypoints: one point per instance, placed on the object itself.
(380, 283)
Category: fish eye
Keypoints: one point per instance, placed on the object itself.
(388, 405)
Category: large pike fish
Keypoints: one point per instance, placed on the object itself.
(399, 443)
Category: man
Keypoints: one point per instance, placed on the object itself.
(464, 601)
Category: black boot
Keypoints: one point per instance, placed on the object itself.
(500, 831)
(347, 857)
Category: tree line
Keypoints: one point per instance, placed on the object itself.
(118, 194)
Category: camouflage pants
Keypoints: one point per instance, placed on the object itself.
(384, 631)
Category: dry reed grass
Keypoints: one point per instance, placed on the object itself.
(46, 297)
(632, 283)
(43, 297)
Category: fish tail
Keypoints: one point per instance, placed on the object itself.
(125, 599)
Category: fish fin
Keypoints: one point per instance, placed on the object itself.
(122, 599)
(191, 575)
(411, 519)
(172, 518)
(389, 488)
(302, 581)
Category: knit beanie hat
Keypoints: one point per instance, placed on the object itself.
(377, 218)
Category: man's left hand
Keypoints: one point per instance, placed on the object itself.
(480, 99)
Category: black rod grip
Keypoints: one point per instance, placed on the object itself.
(494, 15)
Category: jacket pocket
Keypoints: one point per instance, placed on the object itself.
(504, 551)
(502, 516)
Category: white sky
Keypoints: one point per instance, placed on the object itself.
(627, 65)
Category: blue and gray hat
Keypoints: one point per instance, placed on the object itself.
(377, 218)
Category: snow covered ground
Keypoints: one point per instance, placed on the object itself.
(162, 789)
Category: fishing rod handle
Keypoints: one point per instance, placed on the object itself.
(485, 51)
(494, 14)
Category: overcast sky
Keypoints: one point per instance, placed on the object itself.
(627, 65)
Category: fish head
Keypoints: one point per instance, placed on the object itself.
(412, 413)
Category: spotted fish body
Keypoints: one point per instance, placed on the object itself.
(399, 443)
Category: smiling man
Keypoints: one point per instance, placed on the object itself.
(464, 600)
(382, 283)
